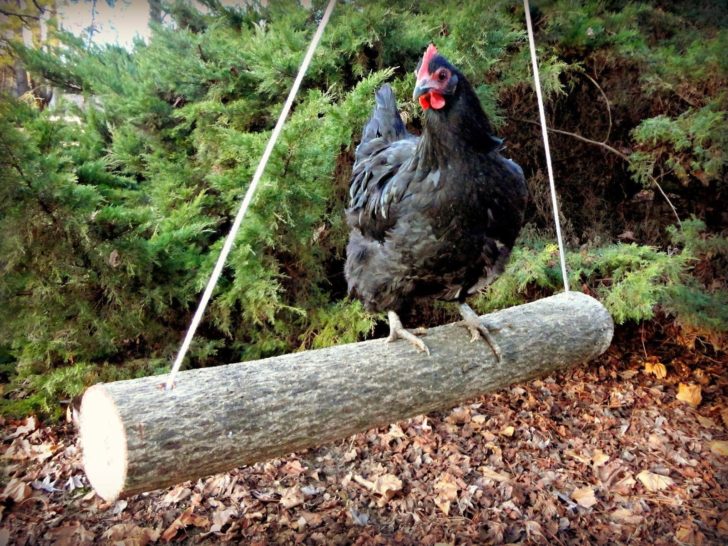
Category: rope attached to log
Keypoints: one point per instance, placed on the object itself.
(547, 149)
(230, 239)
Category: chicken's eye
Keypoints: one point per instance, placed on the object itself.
(442, 75)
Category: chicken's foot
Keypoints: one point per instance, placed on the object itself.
(397, 331)
(477, 329)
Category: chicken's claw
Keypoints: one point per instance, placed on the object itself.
(397, 331)
(478, 330)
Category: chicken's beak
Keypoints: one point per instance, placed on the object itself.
(423, 86)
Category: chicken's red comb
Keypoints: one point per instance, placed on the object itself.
(428, 56)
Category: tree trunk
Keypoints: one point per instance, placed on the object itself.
(21, 80)
(155, 11)
(137, 437)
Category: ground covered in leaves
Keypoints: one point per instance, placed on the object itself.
(632, 448)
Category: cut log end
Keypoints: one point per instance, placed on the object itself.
(103, 440)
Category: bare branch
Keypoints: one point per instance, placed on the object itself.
(606, 100)
(21, 16)
(611, 149)
(674, 210)
(40, 8)
(578, 137)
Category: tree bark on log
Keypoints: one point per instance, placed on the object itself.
(136, 436)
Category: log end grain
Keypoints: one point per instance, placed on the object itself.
(103, 441)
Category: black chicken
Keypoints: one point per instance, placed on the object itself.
(433, 216)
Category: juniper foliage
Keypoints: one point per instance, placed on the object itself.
(112, 213)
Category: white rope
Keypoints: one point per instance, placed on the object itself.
(544, 132)
(230, 239)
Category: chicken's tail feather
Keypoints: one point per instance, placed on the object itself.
(385, 121)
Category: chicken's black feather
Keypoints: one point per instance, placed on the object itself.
(431, 216)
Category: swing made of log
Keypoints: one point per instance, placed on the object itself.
(144, 434)
(137, 437)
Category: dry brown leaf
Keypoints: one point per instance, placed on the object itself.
(574, 455)
(584, 496)
(19, 450)
(707, 422)
(447, 487)
(724, 417)
(188, 518)
(624, 486)
(44, 451)
(599, 458)
(507, 431)
(221, 516)
(654, 482)
(622, 515)
(29, 425)
(442, 504)
(128, 534)
(17, 490)
(690, 394)
(293, 496)
(387, 486)
(723, 525)
(363, 481)
(72, 534)
(185, 520)
(176, 495)
(688, 534)
(447, 491)
(657, 369)
(655, 442)
(171, 531)
(119, 507)
(395, 431)
(534, 531)
(312, 519)
(493, 475)
(293, 468)
(216, 486)
(459, 416)
(719, 447)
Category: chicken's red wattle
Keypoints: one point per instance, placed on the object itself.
(432, 100)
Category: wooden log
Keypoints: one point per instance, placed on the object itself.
(137, 437)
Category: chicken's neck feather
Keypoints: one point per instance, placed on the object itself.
(458, 129)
